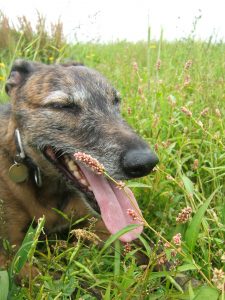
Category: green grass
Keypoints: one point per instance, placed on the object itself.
(191, 173)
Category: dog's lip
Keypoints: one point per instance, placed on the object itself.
(61, 161)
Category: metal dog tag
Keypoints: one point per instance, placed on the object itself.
(18, 172)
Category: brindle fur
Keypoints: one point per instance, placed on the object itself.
(72, 108)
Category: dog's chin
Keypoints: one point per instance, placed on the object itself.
(71, 172)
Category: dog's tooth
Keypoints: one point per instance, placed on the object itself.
(72, 166)
(77, 175)
(66, 158)
(90, 188)
(84, 182)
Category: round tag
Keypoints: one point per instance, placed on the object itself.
(18, 172)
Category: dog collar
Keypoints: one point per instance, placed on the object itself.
(19, 172)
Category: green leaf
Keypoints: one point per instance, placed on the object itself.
(107, 293)
(186, 267)
(4, 285)
(188, 184)
(22, 254)
(173, 281)
(190, 291)
(138, 185)
(155, 275)
(116, 236)
(81, 266)
(195, 224)
(146, 245)
(27, 248)
(206, 293)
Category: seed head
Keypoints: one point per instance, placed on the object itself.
(186, 111)
(129, 110)
(169, 177)
(219, 278)
(204, 112)
(200, 123)
(167, 245)
(127, 248)
(188, 64)
(223, 258)
(184, 215)
(166, 144)
(218, 113)
(134, 215)
(91, 162)
(140, 91)
(156, 147)
(162, 259)
(158, 64)
(172, 100)
(135, 66)
(86, 235)
(195, 164)
(120, 185)
(187, 80)
(177, 239)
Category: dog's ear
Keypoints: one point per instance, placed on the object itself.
(71, 64)
(20, 71)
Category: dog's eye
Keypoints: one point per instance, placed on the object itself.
(117, 100)
(69, 107)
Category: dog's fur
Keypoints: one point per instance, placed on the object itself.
(72, 108)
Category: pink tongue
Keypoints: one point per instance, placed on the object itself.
(114, 204)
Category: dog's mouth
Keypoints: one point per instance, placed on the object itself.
(118, 208)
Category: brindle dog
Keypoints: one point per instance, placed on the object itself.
(56, 111)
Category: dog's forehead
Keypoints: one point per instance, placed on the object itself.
(88, 78)
(78, 82)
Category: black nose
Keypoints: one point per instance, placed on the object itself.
(139, 162)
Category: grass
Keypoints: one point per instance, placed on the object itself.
(173, 95)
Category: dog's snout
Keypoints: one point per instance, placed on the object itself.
(139, 162)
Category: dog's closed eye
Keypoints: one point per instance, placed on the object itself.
(65, 107)
(59, 100)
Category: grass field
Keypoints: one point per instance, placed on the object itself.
(173, 94)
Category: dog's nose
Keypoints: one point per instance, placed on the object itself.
(138, 162)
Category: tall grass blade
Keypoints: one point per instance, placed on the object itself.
(195, 224)
(4, 285)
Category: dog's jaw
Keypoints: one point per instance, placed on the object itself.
(72, 175)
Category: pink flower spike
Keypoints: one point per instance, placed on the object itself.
(91, 162)
(132, 213)
(177, 239)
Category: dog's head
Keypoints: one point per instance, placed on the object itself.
(64, 109)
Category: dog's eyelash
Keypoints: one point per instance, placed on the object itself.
(71, 107)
